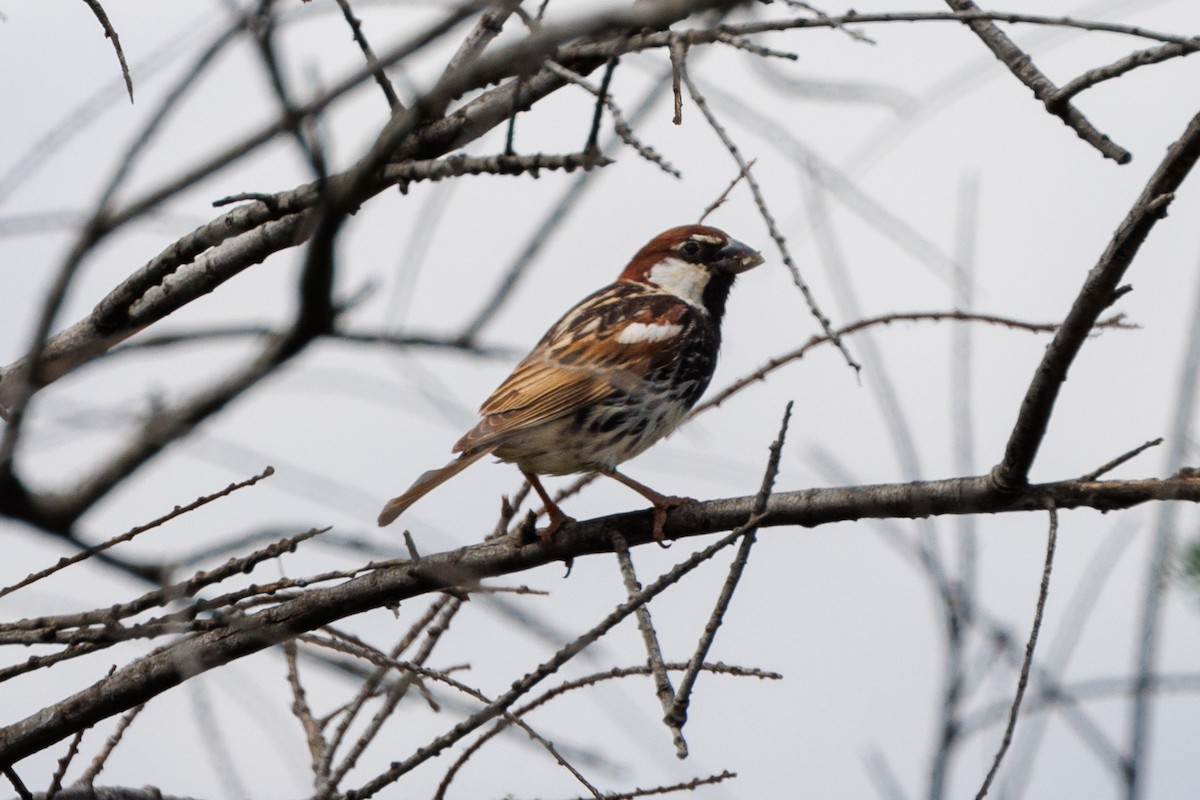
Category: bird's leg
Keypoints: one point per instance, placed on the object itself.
(556, 515)
(662, 502)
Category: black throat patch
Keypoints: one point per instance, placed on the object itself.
(716, 293)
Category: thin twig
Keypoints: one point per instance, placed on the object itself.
(411, 546)
(679, 709)
(380, 76)
(1051, 667)
(490, 23)
(598, 114)
(393, 697)
(178, 511)
(366, 337)
(1022, 66)
(959, 593)
(414, 672)
(654, 657)
(1117, 322)
(107, 628)
(620, 126)
(742, 43)
(1099, 291)
(17, 783)
(303, 712)
(302, 128)
(683, 786)
(569, 686)
(64, 763)
(1023, 681)
(88, 778)
(515, 111)
(508, 510)
(678, 52)
(1121, 459)
(558, 213)
(769, 219)
(821, 15)
(547, 668)
(1141, 58)
(715, 204)
(34, 663)
(111, 33)
(375, 680)
(663, 39)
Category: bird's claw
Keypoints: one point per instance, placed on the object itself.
(557, 520)
(661, 507)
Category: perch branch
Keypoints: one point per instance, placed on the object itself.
(170, 666)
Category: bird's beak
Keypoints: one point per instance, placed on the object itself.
(736, 257)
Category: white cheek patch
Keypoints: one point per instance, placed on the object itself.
(636, 332)
(685, 281)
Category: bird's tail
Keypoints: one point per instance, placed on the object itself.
(427, 483)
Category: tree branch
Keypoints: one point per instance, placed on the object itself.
(1098, 293)
(172, 665)
(111, 33)
(1022, 66)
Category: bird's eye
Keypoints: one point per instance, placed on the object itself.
(690, 249)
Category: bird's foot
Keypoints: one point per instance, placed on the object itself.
(557, 520)
(663, 504)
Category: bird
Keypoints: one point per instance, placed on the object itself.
(615, 374)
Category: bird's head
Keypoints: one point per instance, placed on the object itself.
(695, 263)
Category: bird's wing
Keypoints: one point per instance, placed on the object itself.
(604, 346)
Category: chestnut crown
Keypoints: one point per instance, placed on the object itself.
(693, 262)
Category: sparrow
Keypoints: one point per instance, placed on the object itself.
(617, 373)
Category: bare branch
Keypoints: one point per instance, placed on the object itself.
(1023, 681)
(1121, 459)
(17, 783)
(602, 99)
(415, 671)
(682, 786)
(490, 23)
(715, 204)
(1099, 291)
(380, 76)
(620, 126)
(742, 43)
(178, 511)
(300, 707)
(394, 695)
(654, 656)
(559, 211)
(1153, 55)
(570, 686)
(158, 672)
(89, 775)
(677, 715)
(677, 49)
(111, 33)
(769, 219)
(1117, 321)
(520, 687)
(1023, 67)
(707, 35)
(63, 764)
